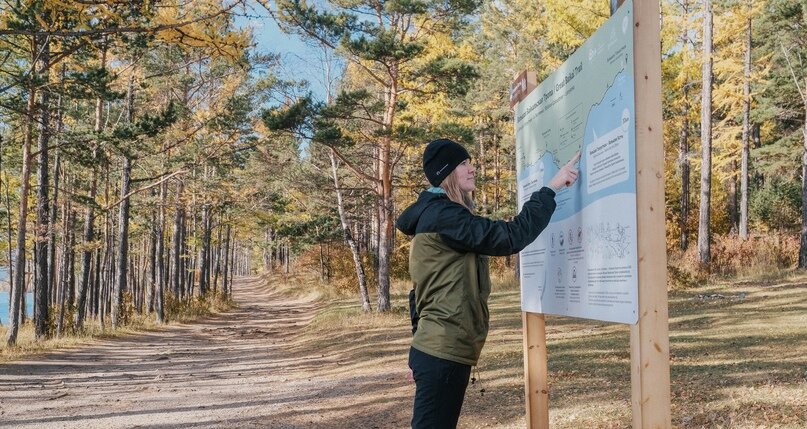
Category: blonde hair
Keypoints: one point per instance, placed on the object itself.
(454, 192)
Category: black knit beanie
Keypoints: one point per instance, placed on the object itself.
(440, 158)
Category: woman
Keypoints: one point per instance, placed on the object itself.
(448, 263)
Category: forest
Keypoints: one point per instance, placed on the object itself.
(150, 153)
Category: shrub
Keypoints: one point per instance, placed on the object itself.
(176, 309)
(761, 254)
(68, 323)
(776, 205)
(341, 268)
(684, 270)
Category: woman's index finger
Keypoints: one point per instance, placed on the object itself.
(574, 159)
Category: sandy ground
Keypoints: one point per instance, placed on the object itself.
(238, 369)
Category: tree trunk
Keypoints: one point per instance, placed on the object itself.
(683, 144)
(704, 254)
(71, 260)
(100, 293)
(483, 174)
(321, 261)
(8, 216)
(107, 258)
(52, 262)
(385, 249)
(183, 250)
(270, 249)
(123, 218)
(190, 250)
(92, 307)
(123, 243)
(497, 174)
(733, 202)
(108, 262)
(18, 285)
(384, 189)
(42, 283)
(683, 160)
(9, 233)
(52, 270)
(361, 277)
(176, 241)
(29, 269)
(746, 151)
(152, 286)
(217, 263)
(133, 280)
(286, 260)
(89, 221)
(144, 276)
(67, 267)
(62, 291)
(204, 251)
(232, 263)
(803, 244)
(227, 264)
(160, 310)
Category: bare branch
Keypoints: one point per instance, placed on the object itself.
(144, 188)
(793, 74)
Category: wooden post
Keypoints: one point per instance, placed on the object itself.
(649, 338)
(536, 385)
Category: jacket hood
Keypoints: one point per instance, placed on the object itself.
(408, 220)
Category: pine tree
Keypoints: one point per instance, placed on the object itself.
(389, 51)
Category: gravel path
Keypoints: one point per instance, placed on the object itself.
(238, 369)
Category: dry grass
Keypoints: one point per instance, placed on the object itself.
(738, 357)
(763, 257)
(176, 312)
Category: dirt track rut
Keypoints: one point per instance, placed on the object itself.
(236, 369)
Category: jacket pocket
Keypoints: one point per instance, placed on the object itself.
(483, 273)
(413, 312)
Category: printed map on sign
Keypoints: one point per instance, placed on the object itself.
(584, 263)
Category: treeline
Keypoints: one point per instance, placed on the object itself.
(735, 100)
(169, 155)
(735, 109)
(129, 117)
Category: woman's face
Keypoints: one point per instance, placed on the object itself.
(466, 176)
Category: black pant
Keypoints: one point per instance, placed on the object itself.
(440, 389)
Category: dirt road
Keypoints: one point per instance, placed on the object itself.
(239, 369)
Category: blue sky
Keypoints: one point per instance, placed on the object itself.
(299, 61)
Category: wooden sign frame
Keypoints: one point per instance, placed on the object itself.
(649, 338)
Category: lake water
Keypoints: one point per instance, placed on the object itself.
(29, 299)
(29, 304)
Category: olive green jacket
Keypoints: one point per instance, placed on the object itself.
(448, 266)
(451, 290)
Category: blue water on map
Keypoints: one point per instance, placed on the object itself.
(602, 118)
(607, 116)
